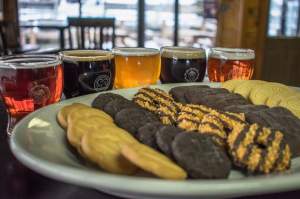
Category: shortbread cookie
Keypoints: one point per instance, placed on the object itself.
(86, 112)
(78, 127)
(260, 94)
(104, 149)
(293, 104)
(230, 85)
(152, 161)
(245, 87)
(63, 113)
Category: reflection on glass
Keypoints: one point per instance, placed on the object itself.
(197, 23)
(159, 23)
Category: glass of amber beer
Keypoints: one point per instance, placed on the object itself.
(29, 82)
(230, 63)
(182, 64)
(136, 67)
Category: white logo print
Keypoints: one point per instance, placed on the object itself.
(191, 75)
(102, 82)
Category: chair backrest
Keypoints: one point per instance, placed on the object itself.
(91, 33)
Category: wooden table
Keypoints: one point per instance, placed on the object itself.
(60, 26)
(19, 182)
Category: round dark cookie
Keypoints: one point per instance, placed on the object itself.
(178, 92)
(101, 100)
(245, 108)
(164, 138)
(131, 119)
(116, 105)
(146, 134)
(200, 157)
(195, 96)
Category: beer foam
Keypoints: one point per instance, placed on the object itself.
(232, 53)
(29, 61)
(183, 52)
(86, 55)
(135, 51)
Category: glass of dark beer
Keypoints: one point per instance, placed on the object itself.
(182, 64)
(29, 82)
(87, 71)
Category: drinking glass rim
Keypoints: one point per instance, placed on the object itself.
(37, 61)
(99, 55)
(232, 53)
(184, 52)
(135, 51)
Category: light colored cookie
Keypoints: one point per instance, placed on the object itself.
(293, 104)
(86, 112)
(152, 161)
(63, 113)
(230, 85)
(275, 100)
(104, 149)
(78, 127)
(244, 88)
(260, 94)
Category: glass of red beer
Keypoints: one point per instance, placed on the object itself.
(29, 82)
(230, 63)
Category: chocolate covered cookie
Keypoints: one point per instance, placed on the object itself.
(200, 157)
(102, 99)
(131, 119)
(178, 93)
(165, 137)
(146, 133)
(116, 105)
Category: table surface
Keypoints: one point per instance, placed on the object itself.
(19, 182)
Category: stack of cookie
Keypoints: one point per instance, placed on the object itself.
(96, 137)
(246, 144)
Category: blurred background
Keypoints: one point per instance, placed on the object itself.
(270, 27)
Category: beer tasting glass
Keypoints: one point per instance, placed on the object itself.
(87, 71)
(29, 82)
(182, 64)
(136, 67)
(230, 63)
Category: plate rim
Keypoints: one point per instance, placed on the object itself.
(128, 184)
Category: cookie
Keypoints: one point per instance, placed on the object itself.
(86, 112)
(259, 149)
(196, 97)
(164, 138)
(146, 134)
(78, 127)
(260, 94)
(102, 99)
(131, 119)
(153, 162)
(245, 108)
(178, 92)
(276, 99)
(293, 104)
(200, 157)
(116, 105)
(230, 85)
(63, 113)
(245, 87)
(104, 149)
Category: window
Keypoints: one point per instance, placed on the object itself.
(192, 24)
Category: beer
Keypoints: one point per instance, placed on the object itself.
(180, 64)
(136, 67)
(225, 64)
(29, 82)
(87, 71)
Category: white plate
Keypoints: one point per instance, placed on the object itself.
(39, 143)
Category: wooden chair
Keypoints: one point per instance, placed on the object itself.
(91, 33)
